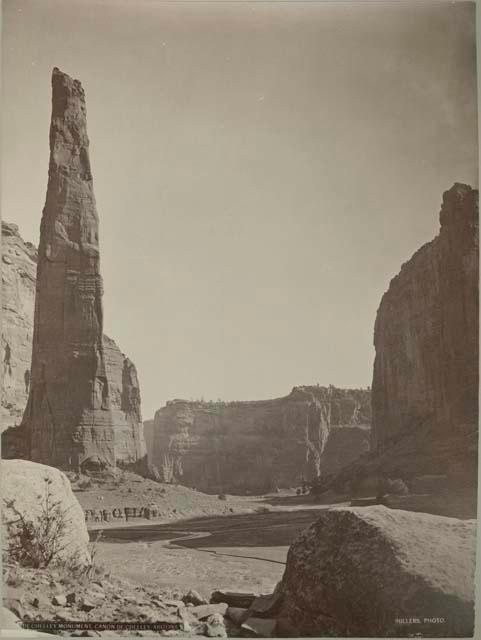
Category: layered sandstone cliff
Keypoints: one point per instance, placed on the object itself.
(83, 408)
(257, 446)
(425, 380)
(426, 332)
(18, 296)
(19, 261)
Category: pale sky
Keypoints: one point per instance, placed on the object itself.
(261, 169)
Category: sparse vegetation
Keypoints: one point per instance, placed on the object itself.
(37, 542)
(222, 496)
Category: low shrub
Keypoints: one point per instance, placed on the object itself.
(40, 541)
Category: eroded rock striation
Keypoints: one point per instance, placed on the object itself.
(426, 332)
(19, 263)
(425, 380)
(18, 298)
(83, 409)
(374, 571)
(256, 446)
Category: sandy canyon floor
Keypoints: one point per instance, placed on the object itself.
(198, 541)
(204, 543)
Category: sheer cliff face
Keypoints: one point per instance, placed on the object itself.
(425, 383)
(257, 446)
(19, 264)
(18, 296)
(82, 410)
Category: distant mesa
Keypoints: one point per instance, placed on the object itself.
(258, 446)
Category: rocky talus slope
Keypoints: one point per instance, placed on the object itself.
(425, 381)
(83, 408)
(240, 447)
(67, 586)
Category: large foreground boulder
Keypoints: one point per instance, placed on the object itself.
(31, 490)
(377, 571)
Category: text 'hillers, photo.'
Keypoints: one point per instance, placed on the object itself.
(284, 239)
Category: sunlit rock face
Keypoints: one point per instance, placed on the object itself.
(425, 383)
(83, 408)
(259, 446)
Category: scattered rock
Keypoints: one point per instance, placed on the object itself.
(259, 627)
(233, 599)
(194, 597)
(203, 611)
(237, 614)
(60, 600)
(87, 605)
(267, 604)
(178, 604)
(215, 627)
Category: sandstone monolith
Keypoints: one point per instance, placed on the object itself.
(69, 420)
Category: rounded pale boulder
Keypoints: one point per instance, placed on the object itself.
(24, 488)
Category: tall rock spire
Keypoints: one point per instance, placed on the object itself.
(69, 417)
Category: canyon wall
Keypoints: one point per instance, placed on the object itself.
(426, 332)
(18, 297)
(253, 447)
(83, 407)
(19, 264)
(425, 379)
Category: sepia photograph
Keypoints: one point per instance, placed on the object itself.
(240, 318)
